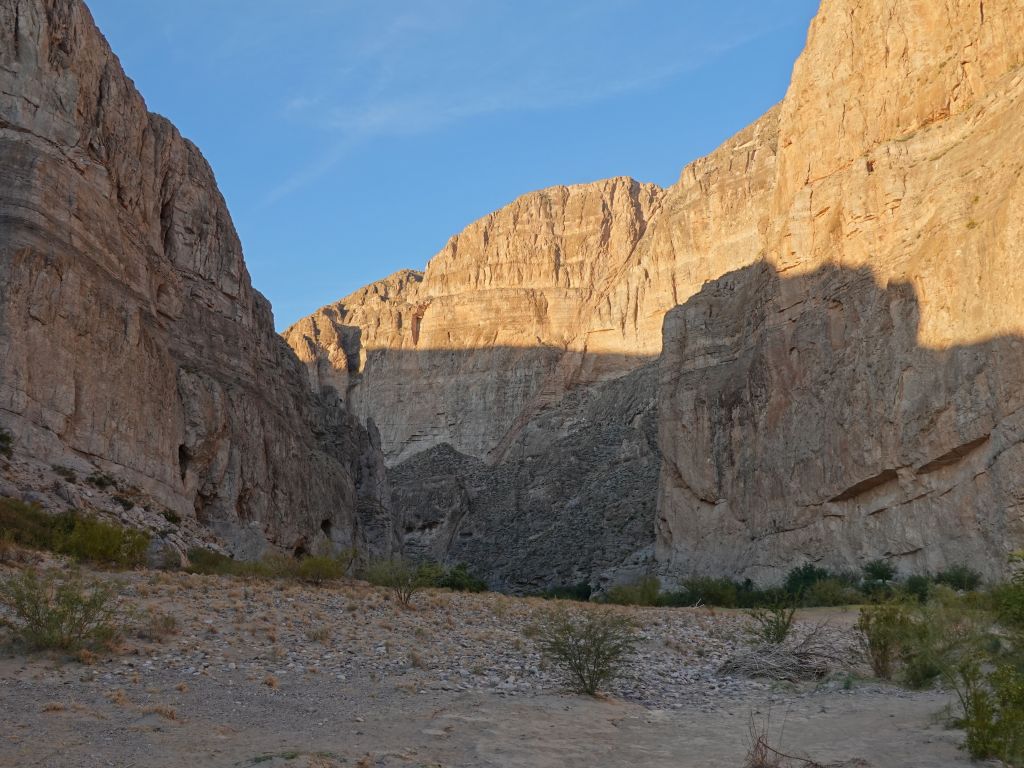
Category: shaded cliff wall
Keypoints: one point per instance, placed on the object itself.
(130, 335)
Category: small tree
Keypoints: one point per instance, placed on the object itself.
(879, 570)
(403, 577)
(62, 614)
(588, 649)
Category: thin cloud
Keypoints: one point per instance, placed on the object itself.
(402, 94)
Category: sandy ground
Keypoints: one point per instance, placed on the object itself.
(282, 675)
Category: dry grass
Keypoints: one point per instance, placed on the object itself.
(271, 682)
(164, 711)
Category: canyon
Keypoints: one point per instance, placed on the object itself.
(132, 344)
(808, 349)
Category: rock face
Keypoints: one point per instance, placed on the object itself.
(801, 420)
(572, 502)
(853, 396)
(130, 335)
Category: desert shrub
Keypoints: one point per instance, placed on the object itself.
(460, 579)
(803, 577)
(707, 591)
(879, 570)
(62, 613)
(65, 472)
(99, 542)
(1008, 604)
(771, 625)
(27, 525)
(992, 708)
(71, 533)
(319, 569)
(403, 577)
(171, 517)
(918, 587)
(959, 577)
(580, 592)
(158, 626)
(206, 561)
(588, 649)
(829, 592)
(101, 480)
(6, 443)
(928, 640)
(643, 591)
(885, 628)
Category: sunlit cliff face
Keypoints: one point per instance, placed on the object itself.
(899, 147)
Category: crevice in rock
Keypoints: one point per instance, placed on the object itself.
(858, 489)
(953, 456)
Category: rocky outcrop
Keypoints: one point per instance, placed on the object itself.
(131, 338)
(492, 331)
(802, 421)
(898, 149)
(572, 502)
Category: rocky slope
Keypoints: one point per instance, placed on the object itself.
(855, 396)
(131, 339)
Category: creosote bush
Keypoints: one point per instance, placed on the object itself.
(67, 614)
(405, 578)
(315, 569)
(71, 533)
(771, 625)
(959, 577)
(588, 649)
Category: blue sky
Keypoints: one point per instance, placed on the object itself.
(351, 138)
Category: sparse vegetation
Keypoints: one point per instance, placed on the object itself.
(101, 480)
(959, 577)
(71, 533)
(6, 444)
(65, 472)
(312, 569)
(403, 577)
(67, 614)
(459, 579)
(588, 649)
(642, 591)
(771, 625)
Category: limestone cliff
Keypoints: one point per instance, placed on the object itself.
(895, 158)
(131, 339)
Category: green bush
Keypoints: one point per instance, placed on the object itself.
(803, 577)
(460, 579)
(71, 533)
(403, 577)
(830, 592)
(643, 591)
(959, 577)
(62, 614)
(885, 629)
(319, 569)
(993, 712)
(879, 570)
(99, 542)
(6, 443)
(918, 587)
(588, 650)
(580, 592)
(706, 591)
(771, 626)
(1008, 603)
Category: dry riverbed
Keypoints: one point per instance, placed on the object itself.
(288, 675)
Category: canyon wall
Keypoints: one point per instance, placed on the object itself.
(850, 389)
(131, 339)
